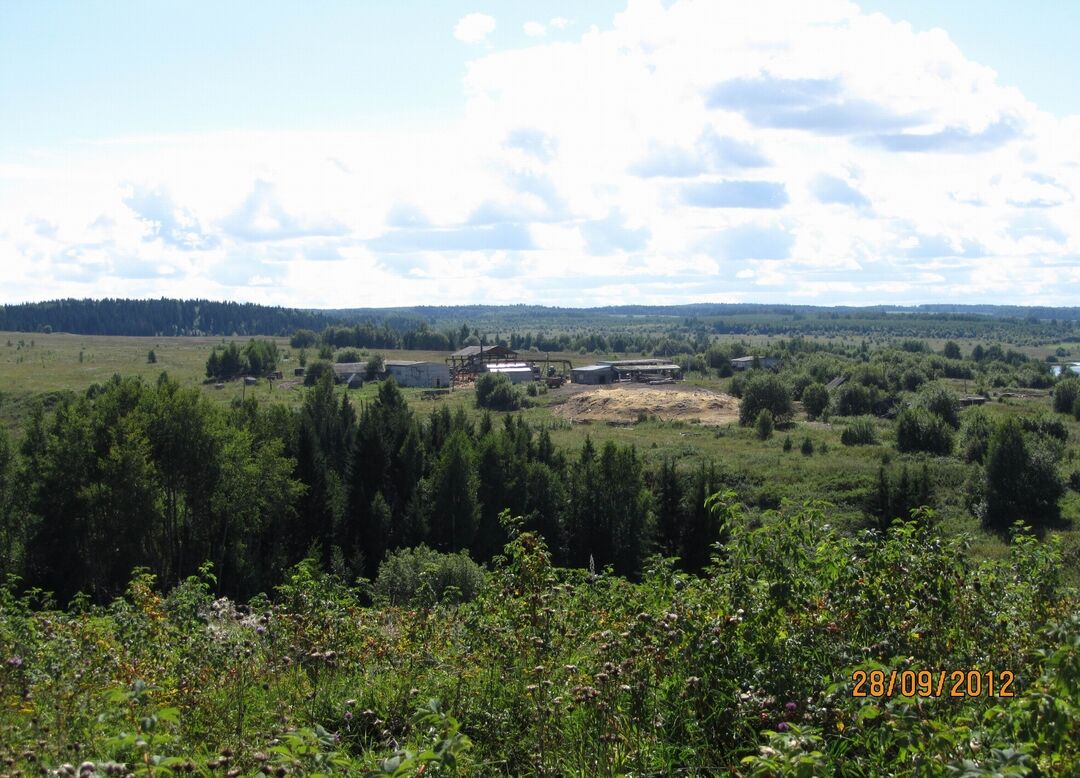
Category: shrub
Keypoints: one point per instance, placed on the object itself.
(495, 392)
(940, 401)
(815, 399)
(854, 400)
(421, 575)
(787, 443)
(315, 371)
(348, 355)
(1050, 426)
(765, 392)
(975, 436)
(764, 424)
(1066, 394)
(859, 432)
(807, 447)
(917, 429)
(375, 366)
(1022, 481)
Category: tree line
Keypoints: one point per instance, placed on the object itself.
(144, 474)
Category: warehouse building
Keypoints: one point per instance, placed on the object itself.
(593, 374)
(424, 374)
(517, 372)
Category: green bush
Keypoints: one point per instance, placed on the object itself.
(917, 429)
(1066, 393)
(975, 435)
(859, 432)
(765, 391)
(764, 424)
(495, 392)
(853, 400)
(421, 575)
(815, 399)
(941, 401)
(315, 370)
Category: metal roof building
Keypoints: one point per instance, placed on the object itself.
(426, 374)
(593, 374)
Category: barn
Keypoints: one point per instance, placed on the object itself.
(425, 374)
(593, 374)
(350, 373)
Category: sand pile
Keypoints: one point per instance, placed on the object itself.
(625, 404)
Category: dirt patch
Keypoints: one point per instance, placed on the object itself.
(627, 404)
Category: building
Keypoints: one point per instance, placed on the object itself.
(644, 370)
(836, 383)
(466, 363)
(298, 372)
(517, 372)
(745, 363)
(972, 399)
(426, 374)
(593, 374)
(350, 373)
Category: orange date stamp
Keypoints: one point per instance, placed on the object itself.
(933, 683)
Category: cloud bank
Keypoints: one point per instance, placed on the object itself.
(688, 151)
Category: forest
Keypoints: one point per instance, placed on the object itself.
(313, 579)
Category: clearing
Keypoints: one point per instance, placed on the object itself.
(628, 403)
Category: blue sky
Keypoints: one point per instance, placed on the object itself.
(362, 153)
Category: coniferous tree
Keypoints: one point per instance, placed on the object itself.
(454, 507)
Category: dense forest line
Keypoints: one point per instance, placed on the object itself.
(439, 327)
(156, 475)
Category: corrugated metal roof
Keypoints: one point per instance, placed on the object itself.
(591, 368)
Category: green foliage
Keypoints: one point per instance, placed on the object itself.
(1022, 482)
(375, 366)
(940, 401)
(765, 391)
(553, 672)
(764, 424)
(151, 357)
(314, 372)
(348, 356)
(975, 435)
(918, 429)
(853, 399)
(807, 447)
(495, 392)
(1066, 393)
(425, 577)
(859, 432)
(815, 399)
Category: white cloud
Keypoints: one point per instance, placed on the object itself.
(474, 27)
(535, 29)
(692, 151)
(559, 22)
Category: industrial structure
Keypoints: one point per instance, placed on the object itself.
(745, 363)
(468, 363)
(430, 375)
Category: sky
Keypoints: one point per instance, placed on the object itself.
(354, 154)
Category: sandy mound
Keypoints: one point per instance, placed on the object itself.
(627, 403)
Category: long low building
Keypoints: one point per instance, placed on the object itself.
(517, 372)
(643, 369)
(425, 374)
(593, 374)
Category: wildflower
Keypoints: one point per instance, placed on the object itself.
(782, 727)
(260, 630)
(348, 715)
(15, 662)
(789, 706)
